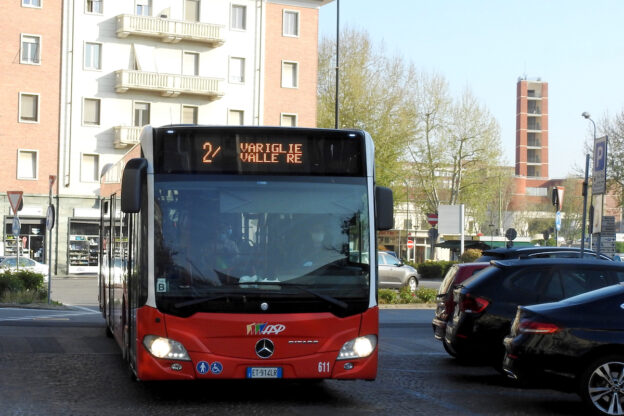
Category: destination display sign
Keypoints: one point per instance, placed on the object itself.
(251, 151)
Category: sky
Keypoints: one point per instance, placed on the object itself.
(485, 45)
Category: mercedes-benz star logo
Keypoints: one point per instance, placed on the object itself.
(265, 348)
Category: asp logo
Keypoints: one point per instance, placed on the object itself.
(264, 328)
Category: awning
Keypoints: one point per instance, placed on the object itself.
(480, 245)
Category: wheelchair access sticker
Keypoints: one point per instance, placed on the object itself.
(204, 367)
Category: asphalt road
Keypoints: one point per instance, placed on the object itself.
(58, 362)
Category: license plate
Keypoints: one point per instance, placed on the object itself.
(264, 372)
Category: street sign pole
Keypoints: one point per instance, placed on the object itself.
(50, 217)
(15, 199)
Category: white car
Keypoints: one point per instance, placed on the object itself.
(25, 263)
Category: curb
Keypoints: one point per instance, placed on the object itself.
(431, 306)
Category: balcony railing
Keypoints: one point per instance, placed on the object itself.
(126, 136)
(169, 30)
(169, 85)
(533, 108)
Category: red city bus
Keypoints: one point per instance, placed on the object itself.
(243, 252)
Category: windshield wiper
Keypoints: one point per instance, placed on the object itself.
(205, 300)
(329, 299)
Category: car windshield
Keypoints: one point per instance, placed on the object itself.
(227, 241)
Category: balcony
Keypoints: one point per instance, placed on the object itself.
(168, 30)
(533, 108)
(126, 136)
(533, 125)
(533, 140)
(168, 85)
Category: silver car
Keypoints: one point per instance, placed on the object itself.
(394, 274)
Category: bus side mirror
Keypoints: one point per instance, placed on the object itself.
(384, 204)
(133, 176)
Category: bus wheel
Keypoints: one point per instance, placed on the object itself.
(109, 333)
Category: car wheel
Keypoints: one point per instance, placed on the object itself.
(601, 385)
(412, 284)
(448, 350)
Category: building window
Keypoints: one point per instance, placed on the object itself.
(94, 6)
(143, 7)
(31, 3)
(536, 191)
(290, 23)
(91, 112)
(90, 168)
(189, 114)
(31, 47)
(190, 64)
(191, 10)
(239, 17)
(28, 108)
(288, 120)
(289, 74)
(27, 164)
(141, 114)
(237, 70)
(533, 171)
(93, 56)
(236, 117)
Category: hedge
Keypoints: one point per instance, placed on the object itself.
(434, 269)
(20, 281)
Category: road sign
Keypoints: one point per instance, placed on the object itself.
(410, 243)
(558, 220)
(433, 234)
(432, 219)
(599, 174)
(16, 226)
(511, 234)
(50, 217)
(15, 199)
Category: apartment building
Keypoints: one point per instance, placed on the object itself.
(125, 64)
(29, 117)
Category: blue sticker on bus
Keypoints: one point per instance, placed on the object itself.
(203, 367)
(216, 367)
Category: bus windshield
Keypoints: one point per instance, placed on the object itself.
(228, 243)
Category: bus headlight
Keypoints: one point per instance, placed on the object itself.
(165, 348)
(359, 347)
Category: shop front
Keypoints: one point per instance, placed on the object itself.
(31, 241)
(83, 246)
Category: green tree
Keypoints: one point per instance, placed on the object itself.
(376, 94)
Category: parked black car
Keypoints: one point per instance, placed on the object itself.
(580, 340)
(537, 252)
(487, 302)
(456, 274)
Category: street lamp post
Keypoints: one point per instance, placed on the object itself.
(337, 60)
(585, 186)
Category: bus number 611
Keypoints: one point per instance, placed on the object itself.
(323, 367)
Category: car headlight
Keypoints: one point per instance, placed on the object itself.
(359, 347)
(165, 348)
